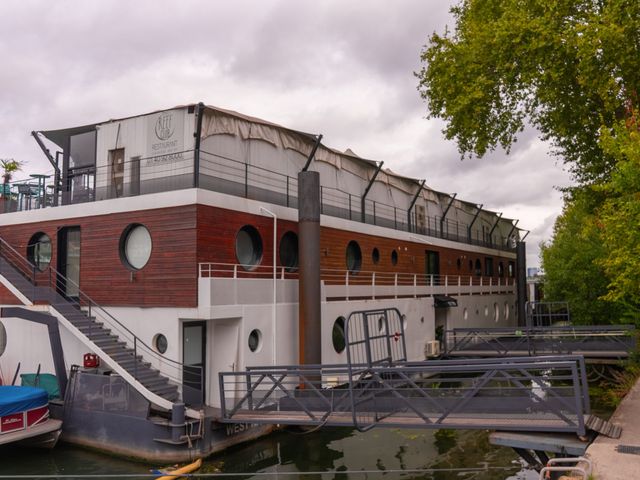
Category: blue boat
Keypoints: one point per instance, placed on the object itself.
(24, 417)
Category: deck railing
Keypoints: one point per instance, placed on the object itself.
(47, 285)
(593, 341)
(223, 174)
(531, 394)
(343, 284)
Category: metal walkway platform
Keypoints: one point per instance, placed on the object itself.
(379, 387)
(597, 344)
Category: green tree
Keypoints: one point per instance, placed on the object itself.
(568, 67)
(572, 267)
(619, 219)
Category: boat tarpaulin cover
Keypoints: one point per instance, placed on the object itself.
(14, 399)
(444, 301)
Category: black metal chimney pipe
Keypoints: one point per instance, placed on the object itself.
(521, 282)
(309, 329)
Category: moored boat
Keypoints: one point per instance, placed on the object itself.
(24, 417)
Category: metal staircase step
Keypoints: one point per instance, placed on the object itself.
(165, 391)
(148, 375)
(159, 381)
(109, 342)
(114, 347)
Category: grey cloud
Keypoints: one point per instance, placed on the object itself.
(344, 69)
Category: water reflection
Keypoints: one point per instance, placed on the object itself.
(383, 453)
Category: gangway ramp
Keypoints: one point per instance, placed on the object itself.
(596, 343)
(379, 387)
(532, 394)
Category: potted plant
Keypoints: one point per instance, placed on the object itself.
(9, 167)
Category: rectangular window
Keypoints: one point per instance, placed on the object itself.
(488, 266)
(134, 187)
(432, 262)
(512, 269)
(116, 173)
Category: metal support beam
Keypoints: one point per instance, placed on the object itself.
(196, 148)
(521, 281)
(309, 317)
(366, 192)
(45, 150)
(413, 202)
(495, 225)
(444, 214)
(474, 220)
(52, 161)
(525, 235)
(513, 228)
(54, 338)
(313, 153)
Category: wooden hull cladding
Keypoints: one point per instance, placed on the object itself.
(184, 236)
(168, 280)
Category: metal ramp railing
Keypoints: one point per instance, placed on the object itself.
(595, 342)
(378, 387)
(534, 394)
(546, 314)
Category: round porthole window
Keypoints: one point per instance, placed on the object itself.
(496, 312)
(3, 339)
(354, 257)
(160, 343)
(338, 337)
(289, 251)
(382, 325)
(375, 256)
(394, 257)
(506, 311)
(135, 246)
(486, 311)
(255, 340)
(39, 250)
(465, 314)
(248, 247)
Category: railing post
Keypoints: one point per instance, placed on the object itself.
(373, 285)
(246, 180)
(346, 283)
(415, 285)
(33, 273)
(395, 280)
(135, 357)
(287, 190)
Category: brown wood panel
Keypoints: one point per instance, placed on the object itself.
(217, 230)
(186, 235)
(8, 298)
(168, 279)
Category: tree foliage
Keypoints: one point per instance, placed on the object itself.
(572, 262)
(619, 218)
(568, 67)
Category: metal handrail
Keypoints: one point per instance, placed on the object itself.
(88, 302)
(362, 277)
(502, 340)
(379, 393)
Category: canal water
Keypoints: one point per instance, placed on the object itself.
(341, 453)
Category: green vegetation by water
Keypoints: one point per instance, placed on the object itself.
(572, 70)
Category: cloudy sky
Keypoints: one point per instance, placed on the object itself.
(343, 69)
